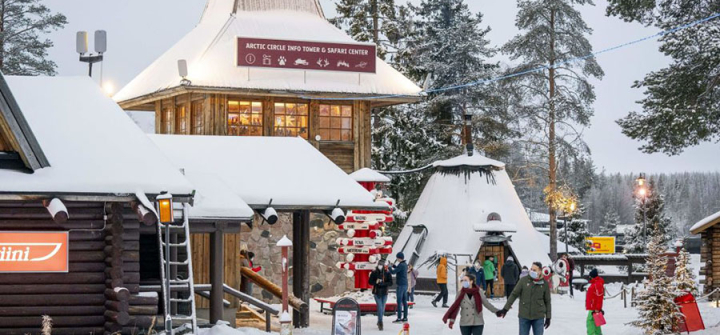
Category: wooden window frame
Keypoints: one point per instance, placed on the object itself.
(251, 102)
(167, 115)
(181, 119)
(197, 120)
(285, 114)
(331, 126)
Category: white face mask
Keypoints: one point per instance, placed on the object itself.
(465, 284)
(477, 265)
(379, 267)
(533, 275)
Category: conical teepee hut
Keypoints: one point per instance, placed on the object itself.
(469, 208)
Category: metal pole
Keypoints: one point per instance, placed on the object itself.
(168, 320)
(566, 236)
(90, 69)
(216, 276)
(644, 222)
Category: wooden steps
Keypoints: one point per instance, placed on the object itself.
(247, 316)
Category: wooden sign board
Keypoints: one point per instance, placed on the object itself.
(34, 252)
(346, 317)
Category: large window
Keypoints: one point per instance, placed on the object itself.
(291, 119)
(335, 123)
(197, 118)
(180, 119)
(245, 118)
(167, 114)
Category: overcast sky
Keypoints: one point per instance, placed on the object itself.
(139, 31)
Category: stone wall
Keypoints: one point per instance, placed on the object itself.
(325, 278)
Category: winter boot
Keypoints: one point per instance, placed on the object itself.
(398, 321)
(380, 326)
(434, 303)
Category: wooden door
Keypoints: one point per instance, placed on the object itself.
(499, 252)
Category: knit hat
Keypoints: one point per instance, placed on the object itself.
(510, 259)
(400, 255)
(593, 273)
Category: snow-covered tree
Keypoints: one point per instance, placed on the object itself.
(684, 278)
(577, 230)
(688, 90)
(652, 212)
(657, 310)
(369, 21)
(609, 223)
(558, 99)
(23, 49)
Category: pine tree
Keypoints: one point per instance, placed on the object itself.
(369, 21)
(22, 49)
(688, 90)
(577, 231)
(553, 32)
(609, 223)
(654, 218)
(684, 278)
(655, 303)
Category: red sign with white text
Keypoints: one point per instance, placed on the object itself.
(304, 55)
(34, 251)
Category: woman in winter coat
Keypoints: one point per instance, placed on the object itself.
(469, 304)
(412, 281)
(380, 280)
(594, 301)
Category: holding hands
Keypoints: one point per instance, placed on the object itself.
(501, 313)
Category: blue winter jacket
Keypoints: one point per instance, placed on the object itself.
(400, 272)
(479, 276)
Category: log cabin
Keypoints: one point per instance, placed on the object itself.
(70, 187)
(709, 231)
(237, 83)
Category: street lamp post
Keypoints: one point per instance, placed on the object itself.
(572, 209)
(642, 191)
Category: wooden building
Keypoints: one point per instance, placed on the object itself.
(64, 172)
(709, 230)
(330, 109)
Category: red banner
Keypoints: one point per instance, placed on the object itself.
(33, 252)
(304, 55)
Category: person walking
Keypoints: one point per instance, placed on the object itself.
(535, 306)
(489, 269)
(511, 274)
(380, 280)
(594, 301)
(400, 270)
(571, 270)
(412, 281)
(469, 304)
(477, 271)
(442, 283)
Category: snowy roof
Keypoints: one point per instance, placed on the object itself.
(622, 229)
(369, 175)
(214, 200)
(705, 223)
(210, 51)
(476, 160)
(545, 242)
(18, 137)
(93, 147)
(494, 226)
(539, 217)
(288, 170)
(308, 6)
(450, 206)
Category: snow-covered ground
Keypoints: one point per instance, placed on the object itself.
(568, 318)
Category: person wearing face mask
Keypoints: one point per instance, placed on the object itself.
(535, 306)
(380, 280)
(594, 301)
(524, 272)
(469, 304)
(477, 271)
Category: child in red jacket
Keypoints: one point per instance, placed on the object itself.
(594, 301)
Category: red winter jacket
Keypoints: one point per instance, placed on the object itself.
(595, 294)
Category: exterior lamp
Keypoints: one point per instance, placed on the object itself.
(165, 208)
(643, 193)
(337, 215)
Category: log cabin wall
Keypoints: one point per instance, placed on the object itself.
(710, 257)
(207, 114)
(99, 294)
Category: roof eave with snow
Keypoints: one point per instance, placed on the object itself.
(705, 223)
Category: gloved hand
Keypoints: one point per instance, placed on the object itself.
(603, 312)
(501, 313)
(451, 324)
(547, 323)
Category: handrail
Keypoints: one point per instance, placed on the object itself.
(295, 302)
(250, 300)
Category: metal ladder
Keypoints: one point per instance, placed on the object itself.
(178, 284)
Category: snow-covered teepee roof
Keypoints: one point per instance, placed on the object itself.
(210, 52)
(463, 192)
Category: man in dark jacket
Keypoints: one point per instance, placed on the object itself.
(380, 280)
(534, 294)
(400, 270)
(511, 274)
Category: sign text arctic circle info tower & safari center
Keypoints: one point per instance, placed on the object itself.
(305, 55)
